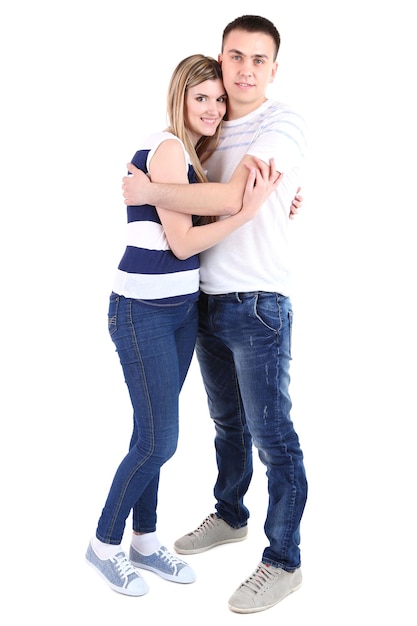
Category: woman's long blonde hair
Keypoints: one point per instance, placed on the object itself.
(190, 72)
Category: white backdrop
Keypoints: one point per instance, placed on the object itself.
(82, 82)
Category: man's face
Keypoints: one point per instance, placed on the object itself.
(248, 68)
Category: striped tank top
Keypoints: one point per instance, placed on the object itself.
(148, 269)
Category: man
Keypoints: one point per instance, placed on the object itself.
(244, 343)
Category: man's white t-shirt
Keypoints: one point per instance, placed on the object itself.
(256, 257)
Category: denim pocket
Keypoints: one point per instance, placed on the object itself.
(112, 314)
(275, 313)
(266, 309)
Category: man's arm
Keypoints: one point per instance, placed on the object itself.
(213, 199)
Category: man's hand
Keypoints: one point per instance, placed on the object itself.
(296, 204)
(134, 186)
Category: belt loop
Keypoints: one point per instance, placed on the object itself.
(238, 298)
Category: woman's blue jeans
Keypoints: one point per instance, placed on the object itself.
(155, 344)
(244, 353)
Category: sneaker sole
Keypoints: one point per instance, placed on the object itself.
(263, 608)
(206, 548)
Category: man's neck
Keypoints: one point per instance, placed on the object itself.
(236, 110)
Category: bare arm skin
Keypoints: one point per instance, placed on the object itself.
(217, 198)
(185, 239)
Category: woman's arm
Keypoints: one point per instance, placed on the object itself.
(185, 239)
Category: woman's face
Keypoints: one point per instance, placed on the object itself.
(205, 106)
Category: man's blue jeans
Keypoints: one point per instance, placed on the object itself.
(155, 344)
(244, 353)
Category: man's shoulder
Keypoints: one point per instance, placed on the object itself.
(281, 115)
(276, 109)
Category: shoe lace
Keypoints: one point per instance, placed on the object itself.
(263, 576)
(123, 565)
(206, 525)
(168, 557)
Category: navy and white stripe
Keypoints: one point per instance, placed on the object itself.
(148, 269)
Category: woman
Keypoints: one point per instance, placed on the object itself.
(153, 321)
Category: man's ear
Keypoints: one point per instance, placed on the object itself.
(274, 71)
(220, 58)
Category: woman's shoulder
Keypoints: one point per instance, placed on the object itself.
(170, 146)
(155, 139)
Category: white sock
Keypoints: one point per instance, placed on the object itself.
(146, 544)
(104, 551)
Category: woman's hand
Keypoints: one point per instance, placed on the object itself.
(262, 180)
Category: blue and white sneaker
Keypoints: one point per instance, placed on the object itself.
(118, 572)
(165, 564)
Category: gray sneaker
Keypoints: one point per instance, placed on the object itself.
(118, 572)
(211, 533)
(165, 564)
(266, 587)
